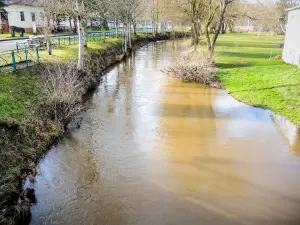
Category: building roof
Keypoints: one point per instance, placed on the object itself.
(21, 2)
(294, 8)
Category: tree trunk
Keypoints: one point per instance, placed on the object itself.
(217, 32)
(208, 42)
(153, 28)
(105, 24)
(125, 37)
(48, 36)
(230, 26)
(80, 43)
(129, 36)
(223, 29)
(49, 47)
(75, 25)
(116, 27)
(86, 36)
(196, 35)
(134, 27)
(70, 23)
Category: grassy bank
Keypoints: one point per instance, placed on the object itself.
(67, 53)
(18, 94)
(253, 75)
(27, 130)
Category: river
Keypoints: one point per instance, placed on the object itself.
(154, 150)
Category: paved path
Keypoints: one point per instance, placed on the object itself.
(9, 45)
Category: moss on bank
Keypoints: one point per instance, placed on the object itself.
(26, 135)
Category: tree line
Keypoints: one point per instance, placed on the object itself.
(207, 18)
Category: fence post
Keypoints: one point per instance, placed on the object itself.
(69, 40)
(13, 60)
(26, 56)
(58, 42)
(17, 47)
(37, 54)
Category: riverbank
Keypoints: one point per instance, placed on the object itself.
(253, 73)
(26, 136)
(149, 140)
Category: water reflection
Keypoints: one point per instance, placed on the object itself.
(154, 150)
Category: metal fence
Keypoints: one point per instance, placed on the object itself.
(27, 53)
(92, 37)
(65, 41)
(20, 58)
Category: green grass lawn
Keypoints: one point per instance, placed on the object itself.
(252, 77)
(8, 36)
(18, 93)
(68, 53)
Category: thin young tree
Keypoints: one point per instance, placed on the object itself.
(81, 10)
(50, 8)
(214, 8)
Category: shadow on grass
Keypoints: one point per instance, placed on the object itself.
(233, 65)
(246, 55)
(266, 88)
(247, 45)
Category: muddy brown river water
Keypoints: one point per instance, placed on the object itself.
(154, 150)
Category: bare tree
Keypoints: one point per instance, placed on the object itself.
(213, 9)
(50, 8)
(193, 9)
(81, 10)
(270, 16)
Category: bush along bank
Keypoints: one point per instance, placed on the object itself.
(23, 142)
(196, 67)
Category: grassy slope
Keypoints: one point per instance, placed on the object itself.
(19, 91)
(68, 53)
(24, 139)
(18, 94)
(251, 77)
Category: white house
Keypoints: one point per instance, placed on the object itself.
(22, 13)
(291, 50)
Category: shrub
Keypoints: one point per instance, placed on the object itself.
(62, 90)
(196, 67)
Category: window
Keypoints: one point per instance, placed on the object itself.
(33, 17)
(22, 16)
